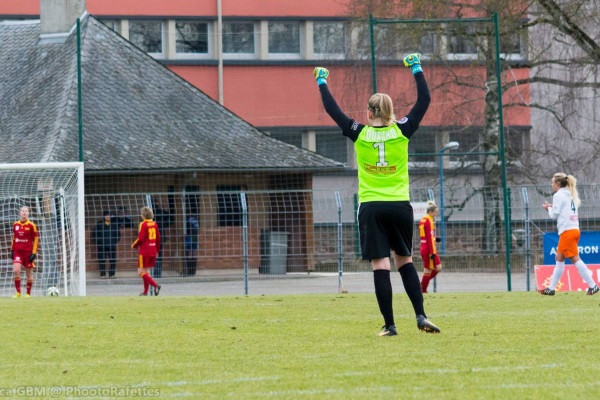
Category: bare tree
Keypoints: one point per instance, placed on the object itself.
(556, 81)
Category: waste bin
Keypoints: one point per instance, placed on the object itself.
(273, 252)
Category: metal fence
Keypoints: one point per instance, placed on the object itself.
(307, 241)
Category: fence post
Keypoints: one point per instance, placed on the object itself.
(527, 242)
(245, 238)
(357, 251)
(340, 245)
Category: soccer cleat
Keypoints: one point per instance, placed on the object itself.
(548, 292)
(157, 290)
(592, 291)
(143, 294)
(27, 296)
(426, 326)
(389, 331)
(16, 295)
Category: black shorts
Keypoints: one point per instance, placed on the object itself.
(385, 225)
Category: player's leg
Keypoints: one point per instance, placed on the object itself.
(427, 272)
(585, 274)
(17, 279)
(193, 262)
(142, 272)
(29, 276)
(437, 266)
(145, 265)
(102, 261)
(564, 242)
(375, 247)
(559, 268)
(571, 251)
(384, 294)
(400, 231)
(410, 280)
(112, 261)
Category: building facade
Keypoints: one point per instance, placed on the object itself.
(256, 57)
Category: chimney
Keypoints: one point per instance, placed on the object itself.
(58, 17)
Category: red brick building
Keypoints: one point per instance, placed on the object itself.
(260, 68)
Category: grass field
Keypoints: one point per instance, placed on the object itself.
(492, 346)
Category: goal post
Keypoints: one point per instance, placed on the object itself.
(54, 192)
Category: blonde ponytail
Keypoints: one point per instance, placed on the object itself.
(381, 105)
(569, 182)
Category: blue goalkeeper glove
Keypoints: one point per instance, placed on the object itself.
(321, 74)
(31, 257)
(413, 62)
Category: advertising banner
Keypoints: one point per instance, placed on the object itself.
(570, 280)
(589, 248)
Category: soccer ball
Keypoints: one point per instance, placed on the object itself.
(52, 291)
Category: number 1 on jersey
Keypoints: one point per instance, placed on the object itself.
(380, 146)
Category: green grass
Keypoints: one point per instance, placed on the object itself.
(492, 346)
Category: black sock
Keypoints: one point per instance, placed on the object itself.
(412, 285)
(383, 292)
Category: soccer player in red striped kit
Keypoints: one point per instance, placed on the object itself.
(24, 250)
(148, 242)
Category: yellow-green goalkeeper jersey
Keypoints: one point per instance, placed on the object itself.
(382, 158)
(381, 152)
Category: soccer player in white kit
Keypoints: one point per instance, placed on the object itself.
(563, 209)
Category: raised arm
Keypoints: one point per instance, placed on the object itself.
(413, 119)
(331, 106)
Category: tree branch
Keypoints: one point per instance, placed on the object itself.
(562, 21)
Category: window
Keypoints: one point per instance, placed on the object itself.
(429, 141)
(462, 43)
(395, 41)
(191, 37)
(332, 145)
(147, 35)
(113, 24)
(470, 141)
(404, 39)
(428, 43)
(329, 39)
(229, 208)
(515, 142)
(192, 199)
(238, 38)
(424, 142)
(284, 38)
(510, 46)
(386, 42)
(293, 138)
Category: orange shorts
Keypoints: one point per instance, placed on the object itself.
(567, 243)
(146, 261)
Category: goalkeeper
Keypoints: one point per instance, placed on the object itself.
(23, 250)
(385, 216)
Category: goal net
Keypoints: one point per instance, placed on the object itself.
(54, 194)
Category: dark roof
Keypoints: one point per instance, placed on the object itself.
(137, 114)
